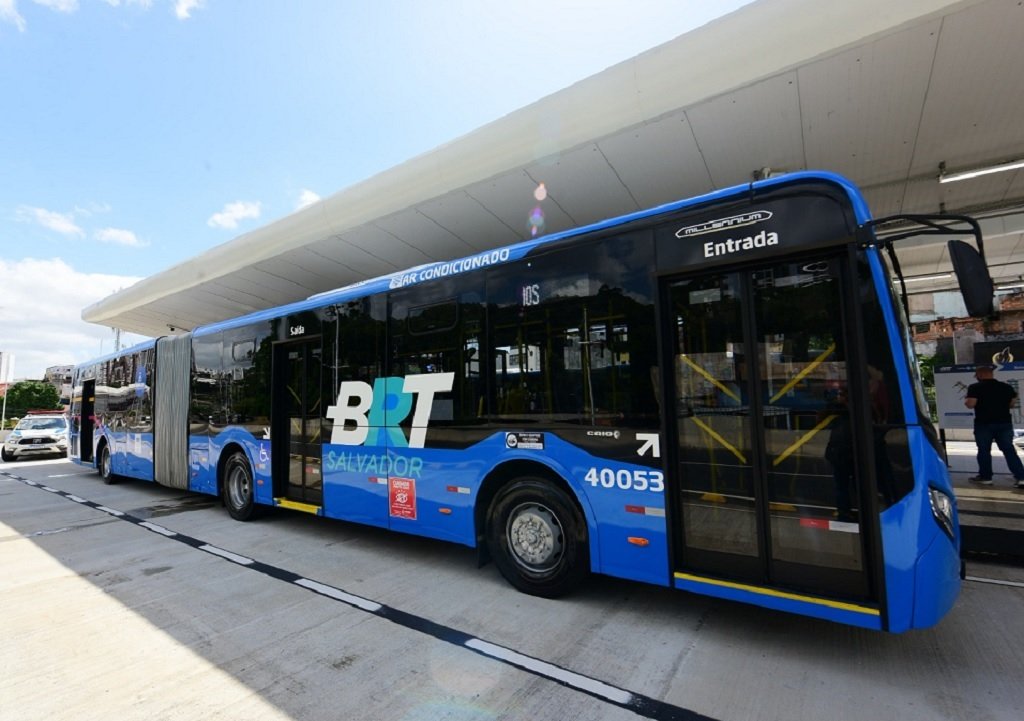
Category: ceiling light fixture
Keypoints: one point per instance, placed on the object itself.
(968, 174)
(940, 276)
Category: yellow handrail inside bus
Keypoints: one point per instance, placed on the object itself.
(714, 434)
(803, 374)
(803, 439)
(718, 384)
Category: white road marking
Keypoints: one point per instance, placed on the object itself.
(227, 554)
(543, 668)
(158, 529)
(339, 595)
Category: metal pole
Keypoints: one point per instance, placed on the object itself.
(8, 372)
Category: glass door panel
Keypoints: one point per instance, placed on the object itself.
(301, 401)
(713, 424)
(810, 464)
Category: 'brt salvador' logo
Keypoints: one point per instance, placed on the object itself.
(376, 412)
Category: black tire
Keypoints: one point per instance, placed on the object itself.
(105, 465)
(7, 457)
(237, 488)
(538, 538)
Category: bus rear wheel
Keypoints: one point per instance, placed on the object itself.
(237, 488)
(105, 466)
(537, 538)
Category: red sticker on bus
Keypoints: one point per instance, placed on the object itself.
(402, 497)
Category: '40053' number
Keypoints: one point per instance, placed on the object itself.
(627, 480)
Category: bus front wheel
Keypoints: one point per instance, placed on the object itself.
(237, 488)
(537, 538)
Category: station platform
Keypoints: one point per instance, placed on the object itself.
(991, 517)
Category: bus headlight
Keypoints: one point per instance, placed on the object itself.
(942, 509)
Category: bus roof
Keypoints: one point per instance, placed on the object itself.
(509, 253)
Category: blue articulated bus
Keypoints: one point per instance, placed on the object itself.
(717, 395)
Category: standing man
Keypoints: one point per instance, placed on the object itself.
(991, 401)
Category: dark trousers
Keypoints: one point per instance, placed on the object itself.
(1002, 434)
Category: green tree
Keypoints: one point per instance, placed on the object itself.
(927, 365)
(31, 395)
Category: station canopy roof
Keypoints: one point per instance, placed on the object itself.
(884, 93)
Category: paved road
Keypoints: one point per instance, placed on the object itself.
(195, 616)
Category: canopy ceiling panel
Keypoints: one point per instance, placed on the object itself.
(659, 161)
(510, 198)
(973, 112)
(860, 108)
(432, 241)
(470, 220)
(754, 127)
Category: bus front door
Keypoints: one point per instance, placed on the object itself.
(297, 426)
(764, 489)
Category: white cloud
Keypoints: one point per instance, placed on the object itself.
(63, 223)
(9, 8)
(183, 8)
(92, 208)
(40, 313)
(306, 197)
(63, 6)
(119, 236)
(9, 14)
(234, 212)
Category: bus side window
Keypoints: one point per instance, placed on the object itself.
(206, 408)
(436, 328)
(247, 355)
(572, 337)
(353, 339)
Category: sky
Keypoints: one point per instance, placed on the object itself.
(136, 134)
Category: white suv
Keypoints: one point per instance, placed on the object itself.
(37, 434)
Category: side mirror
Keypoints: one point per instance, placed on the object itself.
(973, 277)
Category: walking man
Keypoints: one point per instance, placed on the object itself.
(991, 401)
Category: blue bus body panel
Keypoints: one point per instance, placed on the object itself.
(208, 452)
(442, 487)
(139, 455)
(922, 563)
(117, 440)
(131, 454)
(445, 486)
(356, 484)
(259, 455)
(938, 583)
(201, 469)
(118, 458)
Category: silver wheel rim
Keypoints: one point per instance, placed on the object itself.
(238, 487)
(535, 537)
(105, 463)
